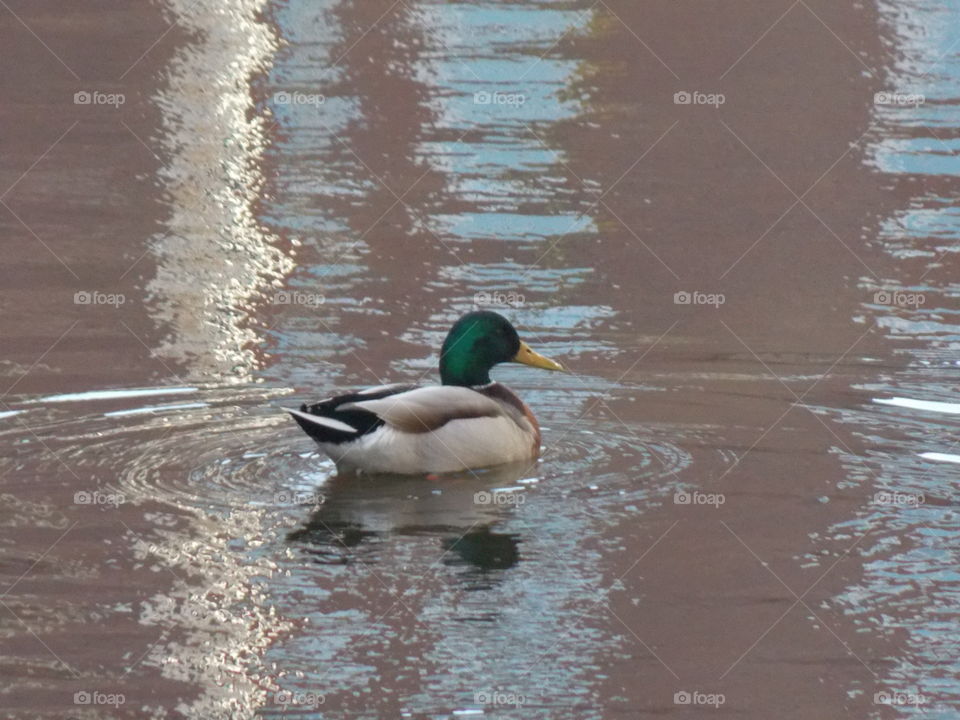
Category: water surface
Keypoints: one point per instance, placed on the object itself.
(750, 498)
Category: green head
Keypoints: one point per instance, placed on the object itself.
(480, 340)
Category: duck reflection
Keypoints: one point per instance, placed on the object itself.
(359, 514)
(485, 549)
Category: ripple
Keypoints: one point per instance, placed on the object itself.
(270, 523)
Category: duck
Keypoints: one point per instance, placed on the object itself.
(467, 422)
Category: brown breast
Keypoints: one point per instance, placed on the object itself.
(496, 391)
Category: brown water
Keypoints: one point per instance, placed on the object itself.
(746, 496)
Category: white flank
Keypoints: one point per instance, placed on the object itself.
(458, 445)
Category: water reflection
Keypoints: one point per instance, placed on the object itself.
(415, 167)
(485, 550)
(179, 532)
(496, 84)
(480, 572)
(461, 511)
(419, 182)
(213, 259)
(909, 585)
(430, 153)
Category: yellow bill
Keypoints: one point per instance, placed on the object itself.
(527, 356)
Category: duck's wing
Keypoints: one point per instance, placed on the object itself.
(427, 408)
(331, 421)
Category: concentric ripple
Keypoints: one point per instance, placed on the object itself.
(220, 448)
(274, 561)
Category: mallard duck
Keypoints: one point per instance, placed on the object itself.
(467, 422)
